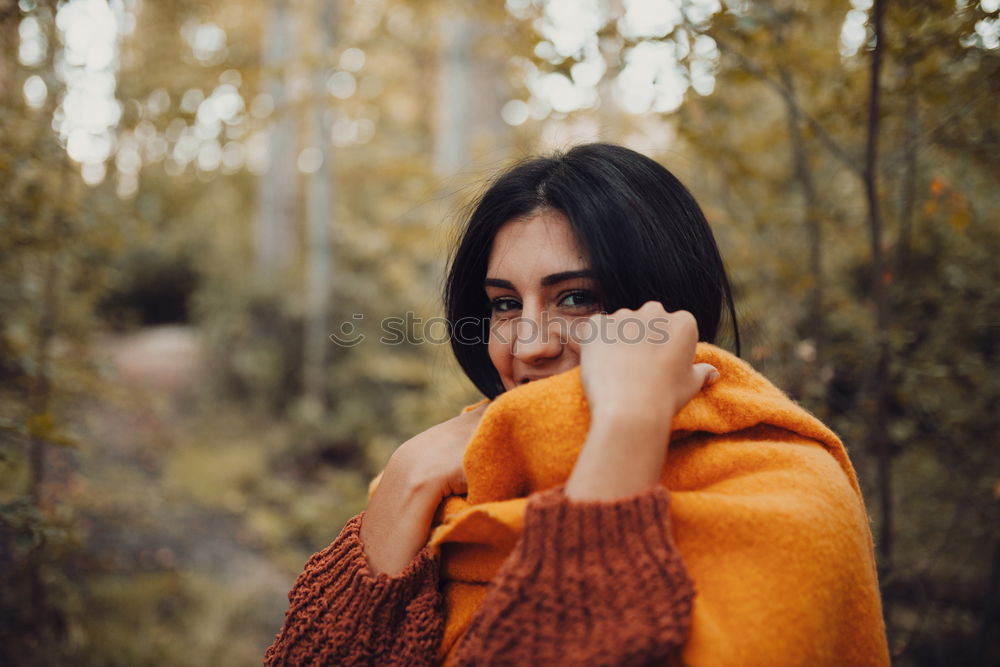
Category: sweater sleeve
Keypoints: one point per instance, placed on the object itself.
(341, 613)
(596, 583)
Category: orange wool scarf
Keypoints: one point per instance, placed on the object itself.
(765, 510)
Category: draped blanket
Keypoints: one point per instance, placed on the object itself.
(765, 511)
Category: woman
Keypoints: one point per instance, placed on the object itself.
(547, 524)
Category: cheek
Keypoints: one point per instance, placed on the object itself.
(579, 330)
(499, 351)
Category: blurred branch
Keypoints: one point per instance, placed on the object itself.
(811, 221)
(948, 120)
(789, 97)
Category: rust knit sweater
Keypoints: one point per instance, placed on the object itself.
(759, 507)
(588, 583)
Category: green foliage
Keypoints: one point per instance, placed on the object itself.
(37, 597)
(188, 471)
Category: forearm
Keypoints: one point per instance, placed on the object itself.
(398, 519)
(422, 471)
(622, 456)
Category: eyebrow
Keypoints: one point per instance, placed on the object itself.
(552, 279)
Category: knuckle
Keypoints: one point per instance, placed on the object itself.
(684, 318)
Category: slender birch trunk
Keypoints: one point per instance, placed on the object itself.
(319, 214)
(274, 234)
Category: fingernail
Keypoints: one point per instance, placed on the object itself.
(713, 376)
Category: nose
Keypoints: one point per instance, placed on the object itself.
(537, 338)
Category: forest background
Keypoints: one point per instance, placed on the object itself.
(194, 196)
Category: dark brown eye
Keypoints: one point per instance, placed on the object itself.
(504, 304)
(578, 299)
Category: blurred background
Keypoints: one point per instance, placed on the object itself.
(194, 196)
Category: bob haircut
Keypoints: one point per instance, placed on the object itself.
(644, 235)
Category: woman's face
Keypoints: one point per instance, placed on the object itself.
(539, 283)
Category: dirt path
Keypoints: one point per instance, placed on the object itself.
(141, 515)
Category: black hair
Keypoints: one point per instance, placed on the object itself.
(643, 233)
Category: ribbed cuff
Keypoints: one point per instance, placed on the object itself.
(339, 608)
(582, 530)
(590, 582)
(346, 559)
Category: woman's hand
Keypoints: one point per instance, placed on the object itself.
(637, 374)
(422, 471)
(432, 460)
(642, 361)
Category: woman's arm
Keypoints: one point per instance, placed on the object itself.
(371, 597)
(634, 389)
(341, 612)
(596, 577)
(422, 471)
(595, 583)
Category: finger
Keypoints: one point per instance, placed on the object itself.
(478, 409)
(707, 374)
(458, 485)
(478, 413)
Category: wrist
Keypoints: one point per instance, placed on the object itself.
(412, 483)
(634, 425)
(620, 458)
(398, 518)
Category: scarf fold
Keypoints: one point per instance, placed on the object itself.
(765, 510)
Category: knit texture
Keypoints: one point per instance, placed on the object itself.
(340, 613)
(759, 506)
(765, 511)
(560, 598)
(589, 583)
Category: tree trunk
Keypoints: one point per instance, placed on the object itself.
(455, 90)
(908, 189)
(39, 398)
(40, 391)
(318, 215)
(989, 609)
(10, 20)
(274, 235)
(878, 432)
